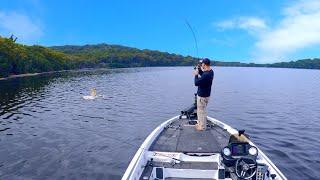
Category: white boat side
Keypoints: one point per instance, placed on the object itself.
(141, 157)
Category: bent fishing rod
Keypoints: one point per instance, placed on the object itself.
(194, 36)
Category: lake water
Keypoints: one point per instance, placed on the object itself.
(47, 131)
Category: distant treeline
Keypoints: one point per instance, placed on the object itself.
(300, 64)
(20, 59)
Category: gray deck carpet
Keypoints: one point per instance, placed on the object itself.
(182, 137)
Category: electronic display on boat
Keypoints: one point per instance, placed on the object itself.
(238, 150)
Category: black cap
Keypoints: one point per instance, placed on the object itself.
(206, 61)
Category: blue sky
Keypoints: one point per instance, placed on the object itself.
(243, 30)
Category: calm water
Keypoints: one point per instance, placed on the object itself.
(47, 131)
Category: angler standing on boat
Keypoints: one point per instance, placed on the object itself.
(203, 77)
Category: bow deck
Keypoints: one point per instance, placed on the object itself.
(181, 136)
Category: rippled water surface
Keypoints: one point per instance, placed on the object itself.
(47, 131)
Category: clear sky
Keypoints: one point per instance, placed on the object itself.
(228, 30)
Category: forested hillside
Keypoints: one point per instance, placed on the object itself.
(17, 58)
(121, 56)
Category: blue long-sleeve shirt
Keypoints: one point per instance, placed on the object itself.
(204, 83)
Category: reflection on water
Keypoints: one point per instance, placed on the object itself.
(48, 131)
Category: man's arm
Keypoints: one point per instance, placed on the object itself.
(200, 80)
(200, 71)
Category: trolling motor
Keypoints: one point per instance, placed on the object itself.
(190, 112)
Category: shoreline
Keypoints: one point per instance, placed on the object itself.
(90, 69)
(29, 74)
(48, 72)
(51, 72)
(19, 75)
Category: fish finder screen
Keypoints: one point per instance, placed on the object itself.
(238, 150)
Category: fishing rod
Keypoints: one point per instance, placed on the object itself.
(198, 66)
(194, 36)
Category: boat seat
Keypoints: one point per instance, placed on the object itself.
(236, 138)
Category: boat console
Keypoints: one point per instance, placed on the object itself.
(240, 159)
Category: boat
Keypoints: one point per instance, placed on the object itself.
(176, 150)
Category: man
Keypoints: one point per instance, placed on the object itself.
(204, 81)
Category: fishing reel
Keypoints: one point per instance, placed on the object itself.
(198, 67)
